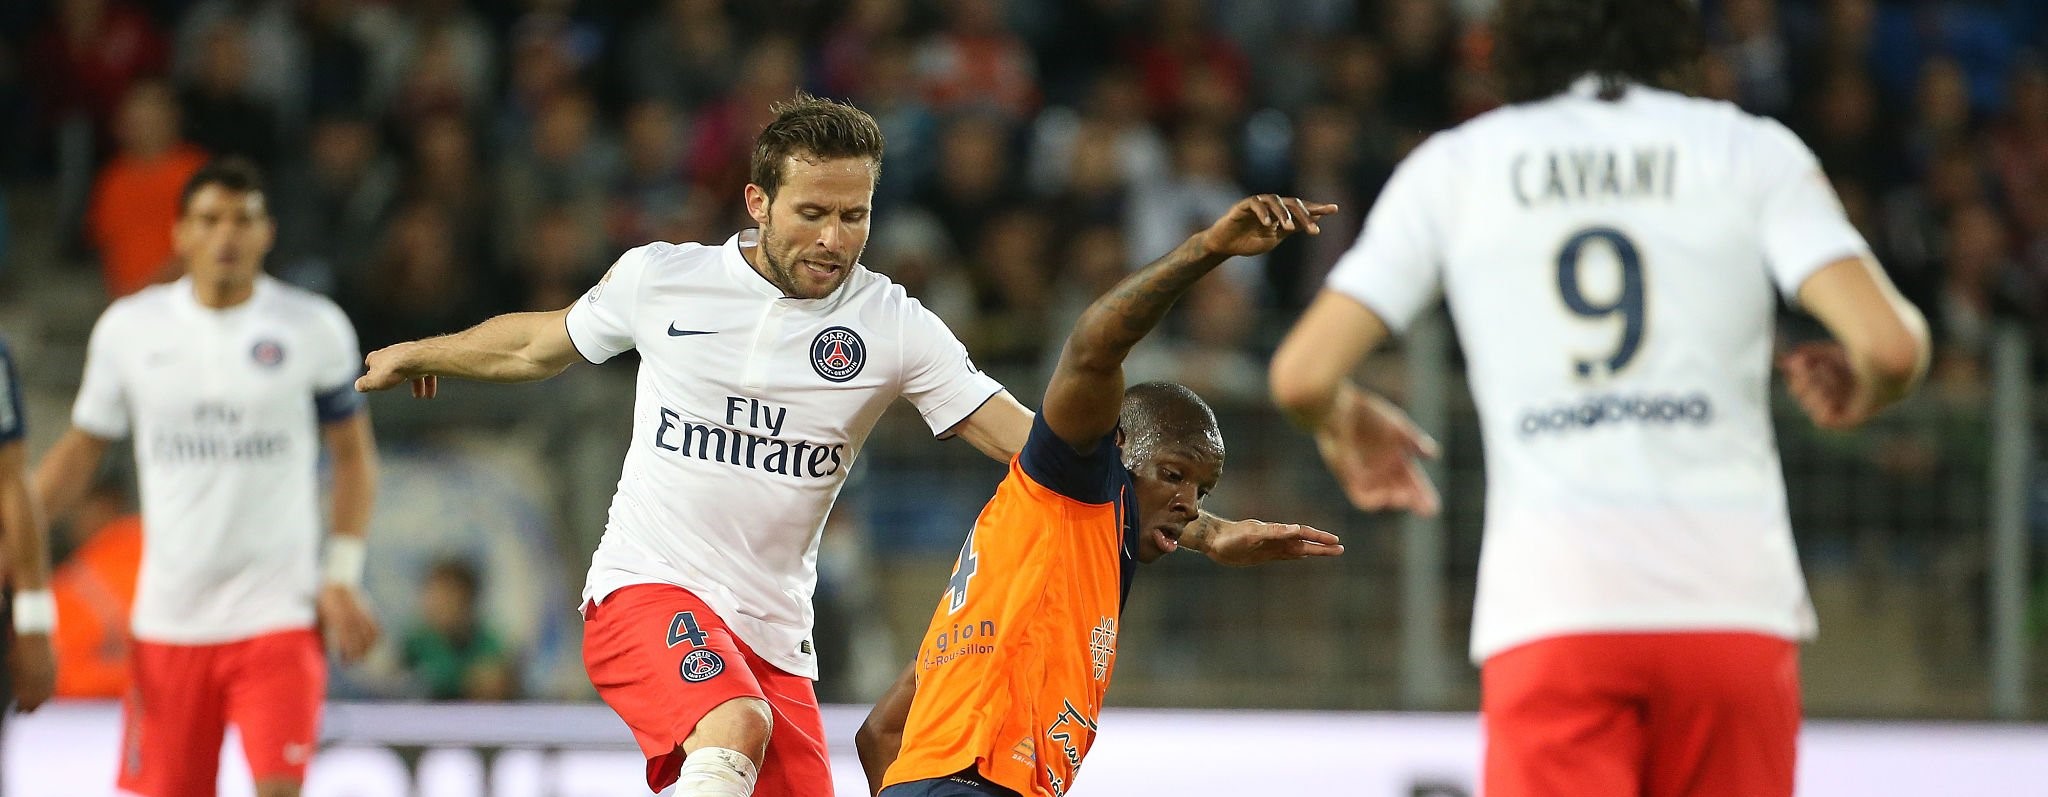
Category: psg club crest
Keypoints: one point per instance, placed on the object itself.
(838, 354)
(267, 353)
(701, 665)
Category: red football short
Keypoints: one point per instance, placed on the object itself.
(662, 660)
(1642, 715)
(183, 697)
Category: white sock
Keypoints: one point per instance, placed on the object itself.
(716, 772)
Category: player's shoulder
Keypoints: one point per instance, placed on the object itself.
(151, 302)
(873, 289)
(666, 260)
(294, 304)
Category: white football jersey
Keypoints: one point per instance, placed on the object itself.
(750, 410)
(225, 407)
(1612, 268)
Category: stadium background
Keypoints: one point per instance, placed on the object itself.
(436, 161)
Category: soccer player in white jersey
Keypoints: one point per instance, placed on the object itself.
(229, 382)
(1612, 253)
(765, 362)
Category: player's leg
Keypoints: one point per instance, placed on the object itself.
(275, 685)
(797, 764)
(1563, 718)
(1724, 721)
(680, 680)
(172, 722)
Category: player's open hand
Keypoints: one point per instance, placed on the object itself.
(1376, 453)
(386, 367)
(1256, 224)
(33, 663)
(345, 622)
(1242, 543)
(1824, 382)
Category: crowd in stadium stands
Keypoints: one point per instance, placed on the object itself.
(436, 161)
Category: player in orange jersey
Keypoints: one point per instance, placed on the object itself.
(1004, 696)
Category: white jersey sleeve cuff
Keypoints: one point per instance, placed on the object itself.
(584, 339)
(968, 397)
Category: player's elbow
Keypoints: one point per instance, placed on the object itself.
(1897, 357)
(1297, 392)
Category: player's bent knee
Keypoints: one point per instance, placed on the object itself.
(742, 724)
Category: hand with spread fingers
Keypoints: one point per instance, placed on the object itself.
(1375, 451)
(1256, 224)
(1243, 543)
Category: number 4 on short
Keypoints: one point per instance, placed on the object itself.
(684, 629)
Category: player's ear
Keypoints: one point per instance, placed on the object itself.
(757, 204)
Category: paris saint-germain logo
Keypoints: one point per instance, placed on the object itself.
(838, 354)
(701, 665)
(267, 353)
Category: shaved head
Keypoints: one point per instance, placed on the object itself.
(1162, 416)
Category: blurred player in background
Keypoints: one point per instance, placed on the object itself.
(229, 382)
(1612, 252)
(29, 616)
(1006, 692)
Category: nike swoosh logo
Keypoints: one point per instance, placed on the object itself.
(677, 333)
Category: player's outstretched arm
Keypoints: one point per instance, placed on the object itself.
(515, 347)
(1087, 387)
(1879, 353)
(880, 737)
(1369, 445)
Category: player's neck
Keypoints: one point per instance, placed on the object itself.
(222, 294)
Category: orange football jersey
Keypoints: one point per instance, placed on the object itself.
(1011, 672)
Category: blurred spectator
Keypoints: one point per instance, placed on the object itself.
(1115, 113)
(135, 201)
(845, 59)
(1420, 48)
(1188, 69)
(548, 54)
(1942, 119)
(2019, 142)
(1978, 261)
(974, 180)
(419, 284)
(568, 165)
(648, 197)
(270, 44)
(888, 91)
(1096, 190)
(451, 652)
(433, 56)
(337, 72)
(687, 55)
(331, 208)
(911, 247)
(559, 259)
(94, 587)
(87, 58)
(445, 170)
(1331, 164)
(725, 130)
(1755, 47)
(1915, 221)
(1203, 186)
(977, 62)
(222, 114)
(1844, 131)
(1012, 267)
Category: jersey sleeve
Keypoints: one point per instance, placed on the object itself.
(334, 381)
(13, 423)
(1054, 463)
(102, 406)
(1396, 266)
(939, 378)
(1800, 221)
(601, 323)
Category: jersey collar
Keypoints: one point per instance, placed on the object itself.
(188, 299)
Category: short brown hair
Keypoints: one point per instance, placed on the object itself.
(231, 172)
(807, 125)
